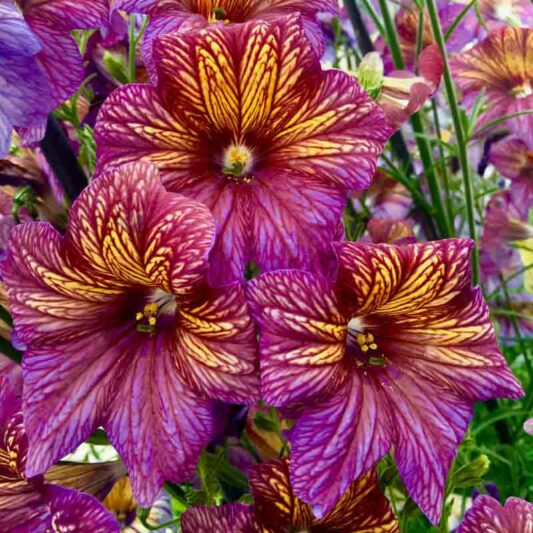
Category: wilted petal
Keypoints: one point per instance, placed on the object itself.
(302, 336)
(486, 514)
(235, 517)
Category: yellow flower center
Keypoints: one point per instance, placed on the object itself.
(238, 161)
(366, 342)
(160, 303)
(523, 90)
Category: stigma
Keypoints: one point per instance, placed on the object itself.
(366, 343)
(160, 303)
(238, 160)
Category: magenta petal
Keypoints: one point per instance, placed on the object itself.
(60, 58)
(156, 423)
(300, 347)
(234, 518)
(337, 441)
(75, 511)
(293, 220)
(486, 514)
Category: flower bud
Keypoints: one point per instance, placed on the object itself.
(370, 74)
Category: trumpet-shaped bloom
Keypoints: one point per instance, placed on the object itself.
(30, 504)
(123, 332)
(488, 515)
(513, 158)
(392, 355)
(244, 120)
(502, 66)
(167, 16)
(277, 509)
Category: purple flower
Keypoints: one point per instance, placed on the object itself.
(122, 330)
(244, 120)
(502, 66)
(168, 16)
(30, 504)
(363, 508)
(487, 515)
(24, 92)
(391, 356)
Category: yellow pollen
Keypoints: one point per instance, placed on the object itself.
(237, 160)
(369, 337)
(149, 316)
(373, 346)
(364, 348)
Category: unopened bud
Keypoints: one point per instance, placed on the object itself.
(471, 474)
(370, 74)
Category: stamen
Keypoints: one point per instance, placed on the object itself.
(238, 160)
(161, 303)
(366, 343)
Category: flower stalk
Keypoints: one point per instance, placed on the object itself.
(459, 135)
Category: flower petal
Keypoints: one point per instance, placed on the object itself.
(336, 441)
(149, 237)
(486, 514)
(216, 353)
(277, 508)
(293, 221)
(337, 131)
(235, 517)
(455, 347)
(394, 280)
(75, 511)
(302, 336)
(133, 124)
(155, 422)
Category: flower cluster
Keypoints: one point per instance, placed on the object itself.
(263, 280)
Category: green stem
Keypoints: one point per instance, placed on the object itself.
(132, 49)
(459, 135)
(416, 122)
(458, 19)
(442, 166)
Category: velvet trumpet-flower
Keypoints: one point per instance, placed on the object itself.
(392, 355)
(502, 66)
(30, 504)
(244, 120)
(167, 16)
(276, 509)
(486, 514)
(122, 331)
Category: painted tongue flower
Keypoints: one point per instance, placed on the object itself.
(513, 158)
(30, 504)
(167, 16)
(502, 66)
(244, 120)
(123, 332)
(391, 356)
(277, 509)
(488, 515)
